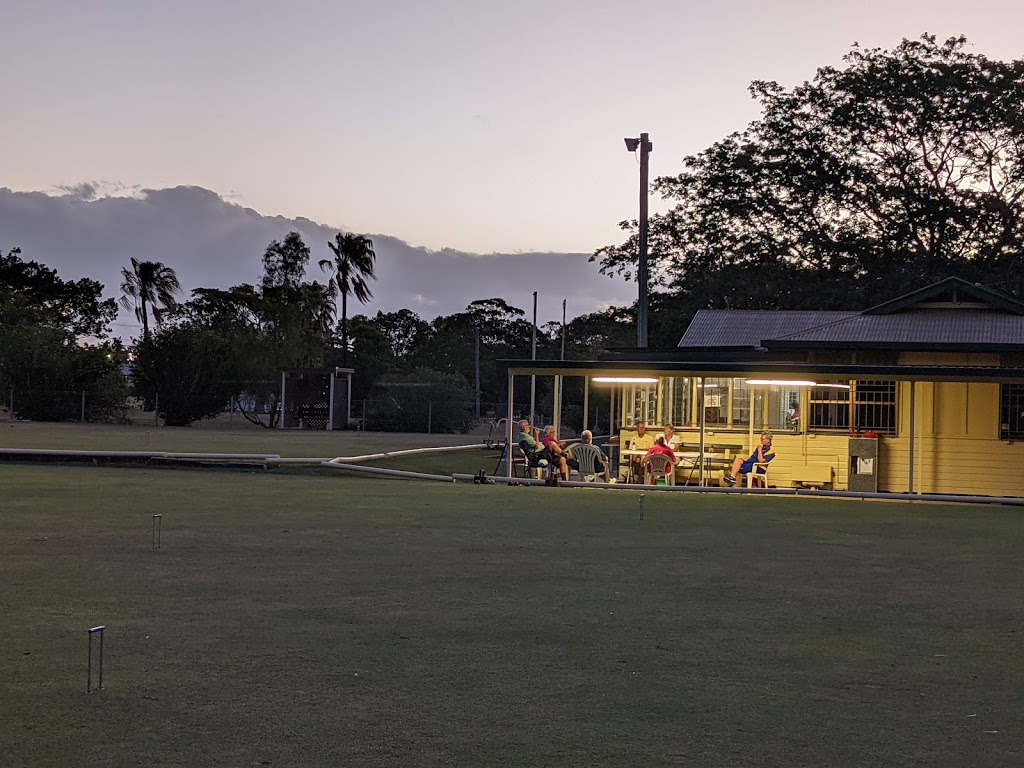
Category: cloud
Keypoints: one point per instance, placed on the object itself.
(93, 229)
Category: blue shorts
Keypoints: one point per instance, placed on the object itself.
(748, 466)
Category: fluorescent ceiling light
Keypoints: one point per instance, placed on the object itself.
(783, 383)
(623, 380)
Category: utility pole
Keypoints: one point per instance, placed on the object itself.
(643, 277)
(533, 356)
(477, 329)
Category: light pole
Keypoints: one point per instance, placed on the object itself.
(645, 147)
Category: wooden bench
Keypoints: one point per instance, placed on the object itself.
(813, 476)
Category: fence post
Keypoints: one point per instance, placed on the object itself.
(156, 408)
(430, 414)
(10, 414)
(83, 406)
(363, 422)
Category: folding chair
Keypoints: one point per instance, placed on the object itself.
(532, 463)
(659, 466)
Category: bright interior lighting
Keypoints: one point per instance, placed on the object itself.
(623, 380)
(783, 383)
(833, 386)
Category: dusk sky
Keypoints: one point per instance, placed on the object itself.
(477, 125)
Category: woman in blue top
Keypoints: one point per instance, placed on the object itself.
(762, 455)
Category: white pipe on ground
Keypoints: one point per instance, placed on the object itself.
(387, 472)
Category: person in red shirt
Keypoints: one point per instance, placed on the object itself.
(661, 449)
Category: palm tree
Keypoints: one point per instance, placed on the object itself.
(353, 265)
(149, 286)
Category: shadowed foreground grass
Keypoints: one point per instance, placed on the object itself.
(298, 619)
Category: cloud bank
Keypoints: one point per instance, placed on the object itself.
(93, 230)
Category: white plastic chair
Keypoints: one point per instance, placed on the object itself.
(758, 475)
(659, 466)
(589, 458)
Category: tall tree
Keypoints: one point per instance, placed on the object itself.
(149, 286)
(902, 166)
(353, 265)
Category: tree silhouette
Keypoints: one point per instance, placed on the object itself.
(353, 265)
(149, 286)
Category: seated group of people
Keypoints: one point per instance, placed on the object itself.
(665, 443)
(545, 447)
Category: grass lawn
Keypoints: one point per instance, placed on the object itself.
(304, 620)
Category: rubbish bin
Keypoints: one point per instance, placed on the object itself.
(863, 465)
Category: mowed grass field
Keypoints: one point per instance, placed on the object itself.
(310, 620)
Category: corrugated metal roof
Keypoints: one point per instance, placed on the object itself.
(913, 327)
(747, 328)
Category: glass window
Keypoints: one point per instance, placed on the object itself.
(783, 408)
(641, 404)
(677, 394)
(741, 400)
(716, 402)
(1011, 411)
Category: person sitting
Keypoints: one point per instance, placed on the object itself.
(672, 440)
(641, 442)
(660, 448)
(555, 453)
(587, 438)
(793, 417)
(764, 454)
(529, 443)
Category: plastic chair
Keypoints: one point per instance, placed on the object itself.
(758, 475)
(588, 456)
(659, 466)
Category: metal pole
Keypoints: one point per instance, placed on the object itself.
(282, 400)
(477, 329)
(156, 408)
(83, 406)
(533, 356)
(913, 391)
(700, 418)
(642, 273)
(364, 411)
(330, 405)
(560, 380)
(510, 414)
(10, 414)
(586, 401)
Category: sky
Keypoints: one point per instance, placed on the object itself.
(483, 126)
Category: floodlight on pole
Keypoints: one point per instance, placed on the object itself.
(643, 278)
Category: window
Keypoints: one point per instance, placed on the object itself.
(830, 405)
(677, 401)
(859, 404)
(716, 402)
(1011, 411)
(741, 398)
(783, 408)
(874, 405)
(641, 401)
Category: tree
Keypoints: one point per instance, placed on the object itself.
(30, 292)
(189, 368)
(353, 265)
(403, 329)
(44, 355)
(902, 167)
(149, 286)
